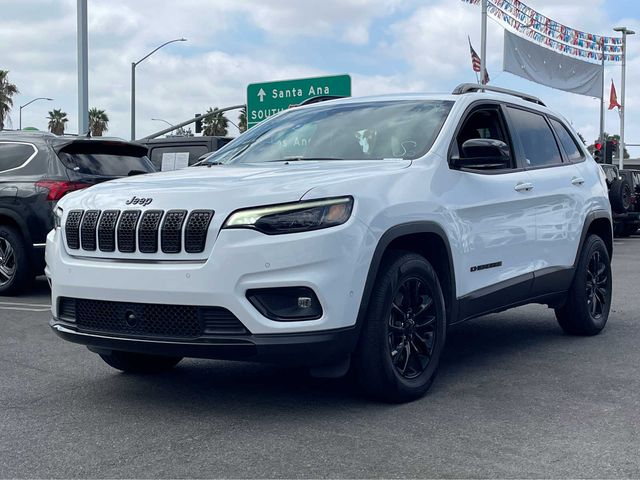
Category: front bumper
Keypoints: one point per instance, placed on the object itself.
(333, 262)
(306, 349)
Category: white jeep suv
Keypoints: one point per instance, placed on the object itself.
(347, 233)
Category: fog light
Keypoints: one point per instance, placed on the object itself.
(286, 304)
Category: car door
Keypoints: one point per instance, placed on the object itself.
(558, 189)
(495, 217)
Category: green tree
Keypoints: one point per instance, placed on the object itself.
(242, 120)
(215, 125)
(98, 122)
(57, 121)
(7, 91)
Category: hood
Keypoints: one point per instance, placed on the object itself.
(225, 188)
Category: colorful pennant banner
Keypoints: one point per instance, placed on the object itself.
(554, 35)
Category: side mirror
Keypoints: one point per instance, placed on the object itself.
(484, 153)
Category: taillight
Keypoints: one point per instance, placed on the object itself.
(59, 188)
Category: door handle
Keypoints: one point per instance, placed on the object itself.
(577, 181)
(524, 187)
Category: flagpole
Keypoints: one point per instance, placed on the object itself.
(625, 31)
(602, 97)
(483, 44)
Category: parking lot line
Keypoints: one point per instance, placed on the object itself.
(22, 304)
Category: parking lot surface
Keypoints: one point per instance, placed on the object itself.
(514, 398)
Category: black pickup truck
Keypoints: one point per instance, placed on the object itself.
(162, 150)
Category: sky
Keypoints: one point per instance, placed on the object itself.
(387, 46)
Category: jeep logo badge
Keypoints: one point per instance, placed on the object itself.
(139, 201)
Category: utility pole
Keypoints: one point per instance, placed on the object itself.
(83, 69)
(483, 43)
(625, 31)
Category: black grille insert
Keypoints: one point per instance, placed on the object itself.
(148, 231)
(127, 231)
(171, 233)
(149, 319)
(88, 229)
(72, 228)
(107, 230)
(195, 232)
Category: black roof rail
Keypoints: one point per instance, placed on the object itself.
(474, 87)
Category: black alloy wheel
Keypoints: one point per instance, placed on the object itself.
(596, 285)
(588, 302)
(412, 328)
(403, 335)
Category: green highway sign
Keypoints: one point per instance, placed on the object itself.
(268, 98)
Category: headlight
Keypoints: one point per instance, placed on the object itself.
(57, 217)
(293, 217)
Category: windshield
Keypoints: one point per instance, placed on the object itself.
(353, 131)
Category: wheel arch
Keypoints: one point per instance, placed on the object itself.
(427, 239)
(10, 218)
(598, 223)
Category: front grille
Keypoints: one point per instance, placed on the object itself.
(107, 230)
(132, 231)
(171, 233)
(72, 228)
(148, 231)
(127, 231)
(149, 319)
(88, 229)
(195, 233)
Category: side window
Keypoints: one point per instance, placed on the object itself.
(537, 140)
(14, 155)
(485, 123)
(568, 141)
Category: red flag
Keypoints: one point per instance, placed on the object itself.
(613, 98)
(476, 64)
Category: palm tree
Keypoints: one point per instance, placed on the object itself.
(215, 125)
(98, 122)
(242, 120)
(57, 120)
(7, 91)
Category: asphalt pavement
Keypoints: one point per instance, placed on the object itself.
(515, 397)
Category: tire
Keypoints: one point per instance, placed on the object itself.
(620, 195)
(587, 307)
(383, 366)
(138, 362)
(15, 268)
(618, 228)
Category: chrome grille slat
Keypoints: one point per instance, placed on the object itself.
(171, 232)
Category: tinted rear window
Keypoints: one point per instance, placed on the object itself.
(568, 142)
(14, 155)
(539, 144)
(108, 160)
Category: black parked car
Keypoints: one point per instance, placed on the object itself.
(36, 170)
(196, 147)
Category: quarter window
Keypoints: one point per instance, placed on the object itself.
(537, 140)
(567, 140)
(14, 155)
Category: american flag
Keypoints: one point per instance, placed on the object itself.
(476, 63)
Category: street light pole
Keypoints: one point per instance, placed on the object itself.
(483, 43)
(133, 82)
(625, 31)
(27, 104)
(162, 120)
